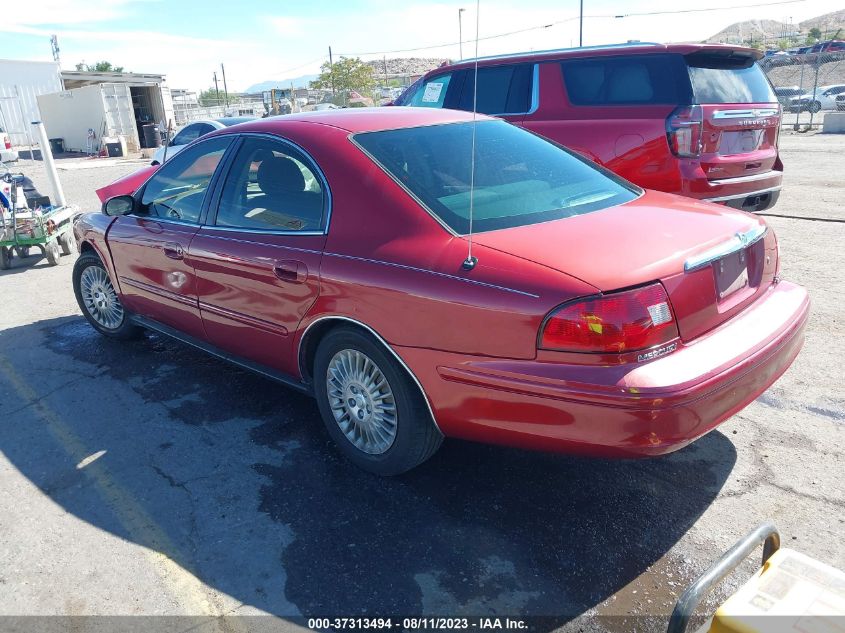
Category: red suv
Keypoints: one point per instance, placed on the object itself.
(693, 119)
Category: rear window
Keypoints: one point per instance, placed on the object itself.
(520, 178)
(728, 79)
(630, 80)
(429, 94)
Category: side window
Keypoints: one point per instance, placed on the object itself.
(188, 134)
(177, 189)
(501, 89)
(633, 80)
(432, 93)
(273, 187)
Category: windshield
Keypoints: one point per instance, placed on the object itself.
(520, 178)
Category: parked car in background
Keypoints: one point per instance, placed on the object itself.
(695, 119)
(840, 103)
(830, 46)
(329, 250)
(822, 98)
(8, 154)
(786, 93)
(192, 131)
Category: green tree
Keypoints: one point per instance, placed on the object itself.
(210, 97)
(814, 35)
(783, 44)
(100, 67)
(349, 73)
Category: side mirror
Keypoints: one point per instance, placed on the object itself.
(119, 205)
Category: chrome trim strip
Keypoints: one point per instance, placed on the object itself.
(738, 196)
(260, 324)
(382, 341)
(745, 114)
(432, 272)
(160, 292)
(235, 229)
(750, 178)
(736, 243)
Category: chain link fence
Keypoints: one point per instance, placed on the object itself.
(807, 86)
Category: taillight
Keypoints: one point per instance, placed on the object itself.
(7, 142)
(614, 323)
(684, 131)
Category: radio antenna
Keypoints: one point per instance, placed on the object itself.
(470, 262)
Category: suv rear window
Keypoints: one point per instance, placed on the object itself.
(728, 79)
(627, 80)
(520, 178)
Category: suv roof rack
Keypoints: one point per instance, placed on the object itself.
(562, 50)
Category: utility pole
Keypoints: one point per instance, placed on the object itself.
(460, 34)
(331, 70)
(581, 27)
(225, 89)
(216, 88)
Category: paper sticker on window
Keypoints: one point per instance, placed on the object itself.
(432, 92)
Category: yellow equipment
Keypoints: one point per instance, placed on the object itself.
(791, 592)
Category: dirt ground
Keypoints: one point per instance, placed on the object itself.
(148, 479)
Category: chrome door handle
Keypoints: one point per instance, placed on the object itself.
(174, 250)
(291, 270)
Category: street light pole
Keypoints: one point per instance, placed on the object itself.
(460, 34)
(581, 26)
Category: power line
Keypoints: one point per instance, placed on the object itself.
(290, 70)
(572, 19)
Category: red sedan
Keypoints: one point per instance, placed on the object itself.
(331, 251)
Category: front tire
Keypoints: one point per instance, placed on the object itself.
(5, 258)
(68, 243)
(98, 299)
(371, 408)
(815, 106)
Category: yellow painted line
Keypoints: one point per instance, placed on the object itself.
(183, 585)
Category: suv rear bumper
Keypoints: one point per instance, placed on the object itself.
(757, 192)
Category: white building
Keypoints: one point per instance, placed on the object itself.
(21, 82)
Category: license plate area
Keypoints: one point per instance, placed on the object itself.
(731, 273)
(740, 141)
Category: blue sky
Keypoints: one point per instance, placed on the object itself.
(268, 40)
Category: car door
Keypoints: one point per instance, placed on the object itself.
(258, 261)
(150, 247)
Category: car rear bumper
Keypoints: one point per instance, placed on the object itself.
(639, 409)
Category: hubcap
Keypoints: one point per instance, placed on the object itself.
(362, 401)
(99, 297)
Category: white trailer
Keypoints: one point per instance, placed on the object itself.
(20, 84)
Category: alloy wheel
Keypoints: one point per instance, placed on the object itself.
(361, 401)
(99, 297)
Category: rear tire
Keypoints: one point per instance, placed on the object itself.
(53, 253)
(5, 258)
(371, 408)
(67, 243)
(98, 299)
(815, 106)
(22, 251)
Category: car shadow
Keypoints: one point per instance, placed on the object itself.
(247, 493)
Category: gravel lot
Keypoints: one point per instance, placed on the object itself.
(146, 478)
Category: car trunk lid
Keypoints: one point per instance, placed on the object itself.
(652, 238)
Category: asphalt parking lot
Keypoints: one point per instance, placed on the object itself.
(146, 478)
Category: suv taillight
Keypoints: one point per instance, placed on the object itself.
(7, 142)
(684, 131)
(614, 323)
